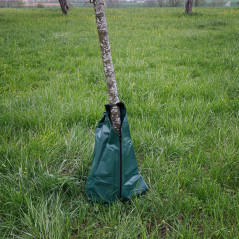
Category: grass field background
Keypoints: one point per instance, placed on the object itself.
(179, 79)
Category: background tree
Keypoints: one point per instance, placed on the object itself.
(188, 6)
(174, 3)
(20, 3)
(64, 6)
(199, 3)
(7, 3)
(216, 3)
(107, 63)
(160, 3)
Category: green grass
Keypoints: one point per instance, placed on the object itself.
(178, 76)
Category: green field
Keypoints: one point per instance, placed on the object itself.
(178, 76)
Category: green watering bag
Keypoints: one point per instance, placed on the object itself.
(114, 172)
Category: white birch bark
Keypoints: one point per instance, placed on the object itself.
(107, 63)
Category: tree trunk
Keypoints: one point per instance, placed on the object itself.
(188, 6)
(107, 63)
(64, 6)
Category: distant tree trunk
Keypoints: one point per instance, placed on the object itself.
(107, 63)
(64, 6)
(188, 6)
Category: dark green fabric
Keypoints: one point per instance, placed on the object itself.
(114, 172)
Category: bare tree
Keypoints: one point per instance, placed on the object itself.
(7, 3)
(107, 63)
(216, 3)
(174, 3)
(64, 6)
(160, 2)
(199, 3)
(188, 6)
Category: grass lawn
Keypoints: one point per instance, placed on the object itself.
(178, 76)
